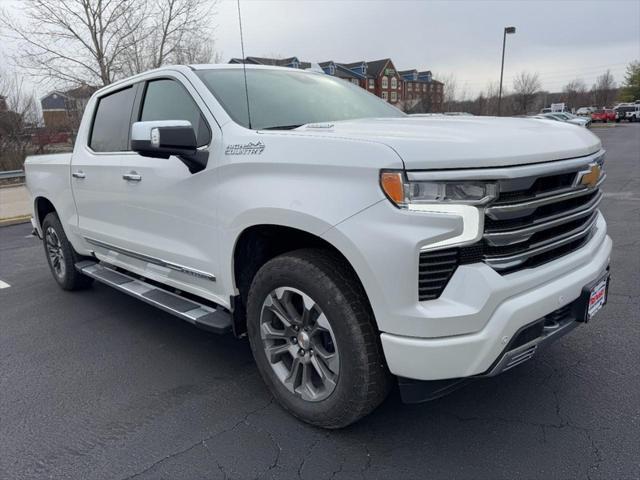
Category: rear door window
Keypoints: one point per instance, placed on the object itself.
(166, 99)
(110, 129)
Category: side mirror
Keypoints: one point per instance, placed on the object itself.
(163, 138)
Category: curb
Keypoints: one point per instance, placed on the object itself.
(5, 222)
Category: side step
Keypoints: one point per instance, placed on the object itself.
(204, 316)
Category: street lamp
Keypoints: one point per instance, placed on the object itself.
(504, 41)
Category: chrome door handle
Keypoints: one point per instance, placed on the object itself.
(78, 174)
(132, 177)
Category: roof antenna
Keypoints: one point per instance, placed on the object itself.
(244, 66)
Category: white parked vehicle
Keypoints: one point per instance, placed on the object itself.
(351, 243)
(585, 111)
(627, 111)
(569, 118)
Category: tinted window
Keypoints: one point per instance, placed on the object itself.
(110, 131)
(283, 98)
(168, 100)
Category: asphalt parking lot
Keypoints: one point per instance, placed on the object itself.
(95, 385)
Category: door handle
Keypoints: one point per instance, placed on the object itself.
(132, 177)
(78, 174)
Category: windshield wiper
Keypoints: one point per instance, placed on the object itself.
(282, 127)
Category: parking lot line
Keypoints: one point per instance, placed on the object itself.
(4, 285)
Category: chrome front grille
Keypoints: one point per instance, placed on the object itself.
(555, 217)
(543, 212)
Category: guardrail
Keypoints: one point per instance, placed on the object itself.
(12, 174)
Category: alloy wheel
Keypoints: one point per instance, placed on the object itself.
(299, 344)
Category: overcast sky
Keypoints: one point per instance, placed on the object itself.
(561, 40)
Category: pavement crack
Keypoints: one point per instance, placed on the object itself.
(202, 442)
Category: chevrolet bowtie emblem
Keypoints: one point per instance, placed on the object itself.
(589, 178)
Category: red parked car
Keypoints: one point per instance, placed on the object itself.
(605, 115)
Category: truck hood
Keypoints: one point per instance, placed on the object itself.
(466, 142)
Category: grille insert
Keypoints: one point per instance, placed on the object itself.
(434, 271)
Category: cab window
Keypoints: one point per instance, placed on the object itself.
(110, 129)
(166, 99)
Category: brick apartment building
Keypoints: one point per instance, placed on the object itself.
(62, 109)
(407, 89)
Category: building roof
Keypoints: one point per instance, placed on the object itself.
(83, 91)
(407, 72)
(375, 68)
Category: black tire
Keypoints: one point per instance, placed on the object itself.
(363, 380)
(63, 270)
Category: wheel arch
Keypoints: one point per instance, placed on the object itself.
(257, 244)
(42, 206)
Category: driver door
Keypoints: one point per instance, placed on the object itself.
(169, 215)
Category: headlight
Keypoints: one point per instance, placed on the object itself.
(404, 193)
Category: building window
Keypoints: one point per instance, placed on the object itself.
(385, 82)
(394, 96)
(394, 83)
(409, 87)
(371, 84)
(385, 96)
(355, 81)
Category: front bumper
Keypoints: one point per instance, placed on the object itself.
(481, 352)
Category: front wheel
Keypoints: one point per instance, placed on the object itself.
(61, 256)
(313, 338)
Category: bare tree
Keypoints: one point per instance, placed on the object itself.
(177, 31)
(575, 93)
(74, 41)
(449, 90)
(20, 114)
(603, 91)
(98, 41)
(525, 87)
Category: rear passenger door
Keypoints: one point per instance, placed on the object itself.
(96, 167)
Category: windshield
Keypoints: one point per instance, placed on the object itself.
(287, 99)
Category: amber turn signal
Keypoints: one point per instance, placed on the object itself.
(393, 185)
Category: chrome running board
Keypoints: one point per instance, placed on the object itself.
(204, 316)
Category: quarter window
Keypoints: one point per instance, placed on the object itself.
(168, 100)
(110, 130)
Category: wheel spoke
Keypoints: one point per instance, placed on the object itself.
(271, 333)
(291, 380)
(307, 389)
(330, 359)
(325, 374)
(275, 352)
(279, 311)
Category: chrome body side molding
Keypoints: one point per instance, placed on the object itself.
(156, 261)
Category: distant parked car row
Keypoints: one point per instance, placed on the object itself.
(565, 117)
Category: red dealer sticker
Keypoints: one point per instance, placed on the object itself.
(597, 298)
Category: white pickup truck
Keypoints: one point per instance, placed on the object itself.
(354, 245)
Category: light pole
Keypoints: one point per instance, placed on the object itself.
(504, 41)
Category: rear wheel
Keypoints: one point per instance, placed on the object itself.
(312, 335)
(61, 256)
